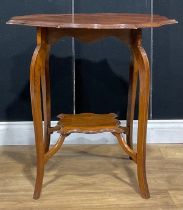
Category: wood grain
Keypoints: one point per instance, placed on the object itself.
(142, 62)
(38, 79)
(132, 90)
(90, 177)
(88, 27)
(89, 123)
(93, 21)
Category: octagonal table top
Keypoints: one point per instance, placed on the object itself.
(93, 20)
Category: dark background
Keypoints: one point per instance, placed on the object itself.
(101, 67)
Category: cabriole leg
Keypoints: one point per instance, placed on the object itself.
(144, 86)
(36, 70)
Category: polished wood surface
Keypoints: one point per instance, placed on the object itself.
(132, 90)
(91, 177)
(39, 77)
(50, 29)
(37, 80)
(89, 123)
(93, 21)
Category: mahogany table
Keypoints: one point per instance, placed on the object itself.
(88, 28)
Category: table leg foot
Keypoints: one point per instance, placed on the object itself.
(143, 186)
(39, 181)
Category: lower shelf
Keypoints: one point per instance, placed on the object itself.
(89, 123)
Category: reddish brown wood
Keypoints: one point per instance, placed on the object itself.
(144, 86)
(89, 35)
(132, 154)
(93, 21)
(45, 86)
(94, 123)
(133, 77)
(83, 27)
(55, 148)
(89, 123)
(36, 69)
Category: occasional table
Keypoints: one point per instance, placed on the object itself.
(89, 28)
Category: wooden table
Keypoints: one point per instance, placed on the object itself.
(89, 28)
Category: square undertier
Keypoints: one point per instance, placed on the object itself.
(89, 123)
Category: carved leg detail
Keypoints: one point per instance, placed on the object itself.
(133, 77)
(144, 78)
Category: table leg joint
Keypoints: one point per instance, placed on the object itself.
(53, 129)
